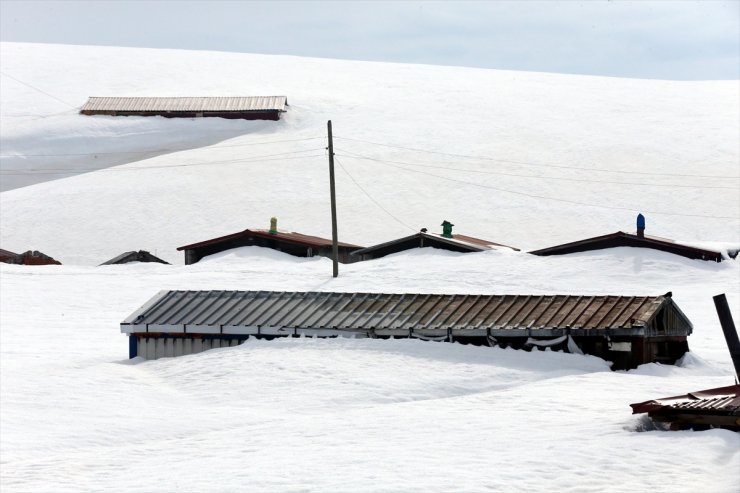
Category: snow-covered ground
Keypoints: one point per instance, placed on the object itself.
(353, 415)
(349, 415)
(670, 151)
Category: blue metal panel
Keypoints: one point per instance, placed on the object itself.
(133, 343)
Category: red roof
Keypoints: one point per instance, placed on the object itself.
(479, 241)
(297, 238)
(620, 238)
(722, 399)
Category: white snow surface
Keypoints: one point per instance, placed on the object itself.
(534, 134)
(341, 415)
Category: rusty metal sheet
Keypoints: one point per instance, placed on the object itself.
(185, 104)
(402, 312)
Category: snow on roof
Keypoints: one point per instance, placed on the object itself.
(221, 104)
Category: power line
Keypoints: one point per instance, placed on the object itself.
(529, 163)
(37, 89)
(370, 196)
(162, 150)
(62, 171)
(34, 117)
(486, 172)
(574, 202)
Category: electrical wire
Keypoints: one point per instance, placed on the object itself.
(37, 89)
(486, 172)
(367, 194)
(162, 150)
(534, 196)
(265, 158)
(529, 163)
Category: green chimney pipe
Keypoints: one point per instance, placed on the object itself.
(273, 226)
(447, 229)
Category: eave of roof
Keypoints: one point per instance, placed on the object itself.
(647, 240)
(468, 242)
(717, 399)
(248, 312)
(219, 104)
(292, 237)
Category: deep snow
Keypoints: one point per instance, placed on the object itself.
(658, 140)
(340, 415)
(353, 415)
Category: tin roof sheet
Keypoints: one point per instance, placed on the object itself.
(369, 311)
(647, 241)
(722, 399)
(198, 104)
(292, 237)
(467, 242)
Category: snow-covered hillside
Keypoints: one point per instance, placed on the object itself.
(557, 157)
(525, 159)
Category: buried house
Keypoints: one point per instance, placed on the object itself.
(30, 257)
(628, 330)
(423, 239)
(638, 240)
(296, 244)
(134, 256)
(243, 107)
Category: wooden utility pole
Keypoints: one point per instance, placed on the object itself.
(332, 192)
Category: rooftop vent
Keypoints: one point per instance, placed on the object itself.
(640, 226)
(273, 226)
(447, 229)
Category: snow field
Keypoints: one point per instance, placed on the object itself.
(532, 135)
(526, 159)
(348, 414)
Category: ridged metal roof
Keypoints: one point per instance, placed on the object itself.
(245, 312)
(722, 399)
(620, 238)
(197, 104)
(461, 242)
(287, 236)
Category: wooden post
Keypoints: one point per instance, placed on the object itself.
(334, 242)
(728, 328)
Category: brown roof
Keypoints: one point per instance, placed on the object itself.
(712, 408)
(33, 257)
(6, 254)
(397, 314)
(620, 238)
(479, 241)
(205, 104)
(298, 238)
(467, 242)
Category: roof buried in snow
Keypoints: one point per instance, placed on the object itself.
(379, 314)
(719, 407)
(140, 256)
(257, 107)
(622, 239)
(455, 243)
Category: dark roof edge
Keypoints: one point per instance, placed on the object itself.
(621, 234)
(441, 239)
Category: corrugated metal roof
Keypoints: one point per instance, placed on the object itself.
(722, 399)
(301, 239)
(197, 104)
(7, 253)
(239, 312)
(134, 256)
(620, 238)
(463, 242)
